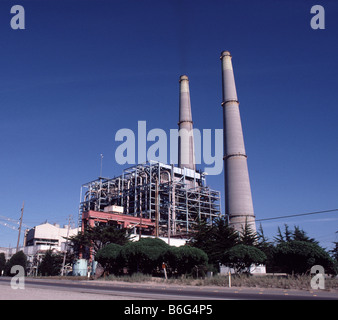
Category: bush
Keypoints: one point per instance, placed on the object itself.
(51, 264)
(145, 255)
(18, 258)
(110, 258)
(241, 257)
(184, 259)
(148, 254)
(299, 256)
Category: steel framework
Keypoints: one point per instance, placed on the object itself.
(166, 200)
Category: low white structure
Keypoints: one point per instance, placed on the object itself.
(254, 269)
(49, 234)
(41, 238)
(173, 241)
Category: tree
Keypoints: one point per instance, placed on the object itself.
(147, 256)
(297, 234)
(184, 259)
(334, 255)
(2, 262)
(110, 258)
(247, 236)
(241, 257)
(299, 256)
(287, 233)
(334, 252)
(214, 239)
(262, 240)
(18, 258)
(300, 235)
(51, 264)
(97, 237)
(267, 247)
(144, 255)
(280, 238)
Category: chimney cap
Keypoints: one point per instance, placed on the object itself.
(225, 54)
(184, 77)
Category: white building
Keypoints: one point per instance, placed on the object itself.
(51, 235)
(41, 238)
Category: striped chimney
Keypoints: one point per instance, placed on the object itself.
(238, 198)
(186, 156)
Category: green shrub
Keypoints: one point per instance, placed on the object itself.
(51, 264)
(299, 256)
(18, 258)
(241, 257)
(183, 259)
(145, 255)
(110, 258)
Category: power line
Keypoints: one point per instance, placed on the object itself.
(297, 215)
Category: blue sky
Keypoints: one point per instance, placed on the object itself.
(82, 70)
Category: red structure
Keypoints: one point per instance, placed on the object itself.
(92, 218)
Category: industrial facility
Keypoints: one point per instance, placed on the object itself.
(154, 198)
(163, 200)
(157, 199)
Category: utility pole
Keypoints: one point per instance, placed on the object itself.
(17, 245)
(65, 253)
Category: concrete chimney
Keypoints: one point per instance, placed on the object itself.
(186, 155)
(238, 199)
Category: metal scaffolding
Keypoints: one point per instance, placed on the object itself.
(171, 198)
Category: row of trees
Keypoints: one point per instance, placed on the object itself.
(148, 256)
(115, 251)
(290, 251)
(50, 264)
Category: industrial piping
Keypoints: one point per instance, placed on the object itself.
(238, 198)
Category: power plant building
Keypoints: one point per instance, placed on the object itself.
(162, 200)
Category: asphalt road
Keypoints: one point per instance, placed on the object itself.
(53, 289)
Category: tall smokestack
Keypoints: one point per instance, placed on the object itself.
(238, 199)
(186, 156)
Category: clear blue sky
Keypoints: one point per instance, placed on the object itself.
(84, 69)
